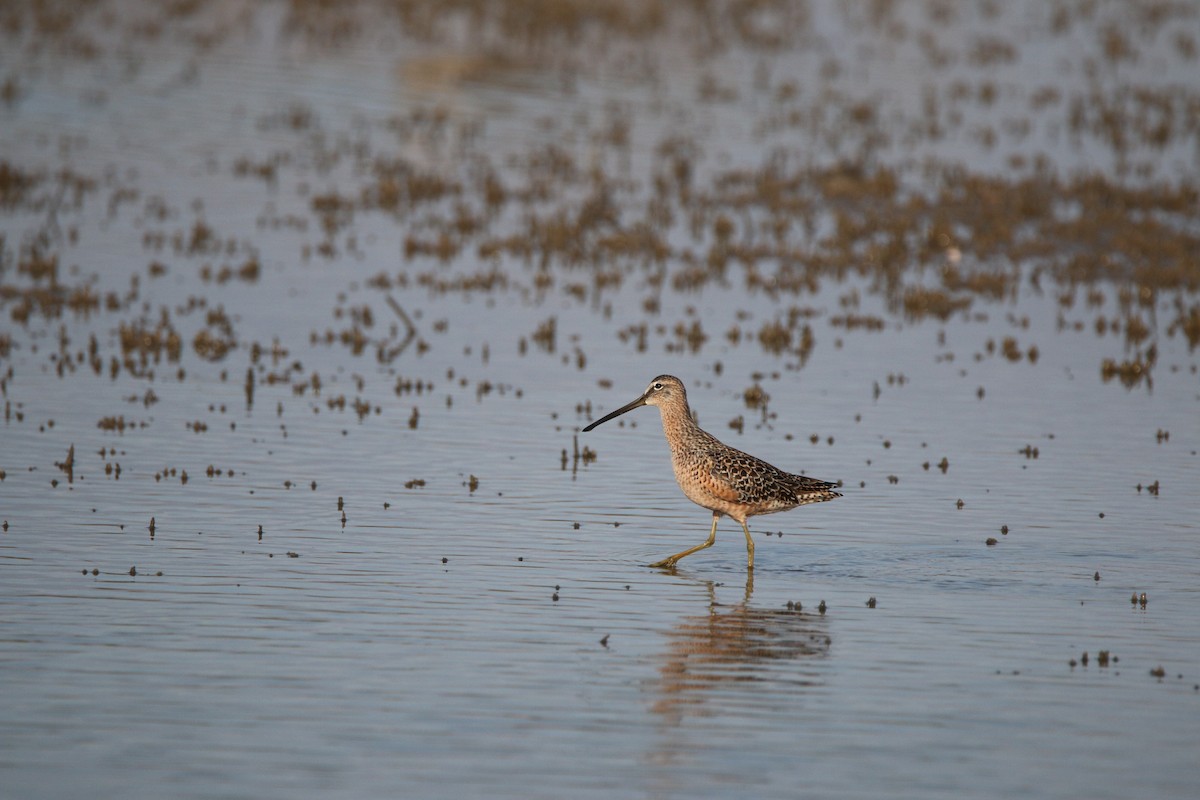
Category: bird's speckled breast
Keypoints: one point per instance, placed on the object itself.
(694, 474)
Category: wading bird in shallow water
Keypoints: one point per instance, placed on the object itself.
(714, 475)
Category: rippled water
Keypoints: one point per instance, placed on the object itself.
(299, 622)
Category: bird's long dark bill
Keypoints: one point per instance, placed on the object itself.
(641, 401)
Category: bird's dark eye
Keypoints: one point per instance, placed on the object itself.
(657, 386)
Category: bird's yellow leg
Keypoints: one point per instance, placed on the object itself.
(749, 547)
(712, 537)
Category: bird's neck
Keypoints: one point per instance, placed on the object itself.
(678, 424)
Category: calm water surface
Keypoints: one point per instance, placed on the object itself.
(445, 594)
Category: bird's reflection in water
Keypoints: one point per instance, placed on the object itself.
(734, 658)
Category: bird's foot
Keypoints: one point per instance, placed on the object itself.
(666, 563)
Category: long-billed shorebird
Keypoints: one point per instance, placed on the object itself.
(716, 476)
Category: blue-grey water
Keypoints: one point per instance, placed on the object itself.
(395, 567)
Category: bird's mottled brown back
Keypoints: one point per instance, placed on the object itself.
(725, 479)
(763, 487)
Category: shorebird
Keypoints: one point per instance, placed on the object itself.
(716, 476)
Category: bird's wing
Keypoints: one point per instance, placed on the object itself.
(718, 482)
(750, 480)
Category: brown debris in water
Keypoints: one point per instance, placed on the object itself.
(119, 424)
(1130, 372)
(67, 465)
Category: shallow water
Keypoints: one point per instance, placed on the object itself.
(300, 622)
